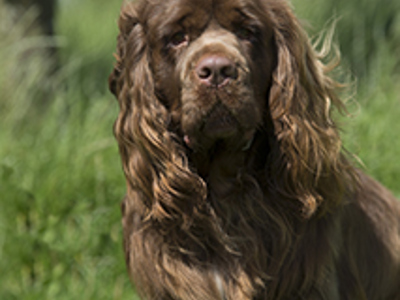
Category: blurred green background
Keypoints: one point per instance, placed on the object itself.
(60, 176)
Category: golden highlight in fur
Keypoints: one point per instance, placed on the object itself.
(237, 184)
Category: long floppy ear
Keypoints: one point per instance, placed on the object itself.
(127, 22)
(155, 165)
(306, 157)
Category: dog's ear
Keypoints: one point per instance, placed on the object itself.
(129, 29)
(308, 155)
(154, 161)
(116, 72)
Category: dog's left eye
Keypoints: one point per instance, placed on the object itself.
(245, 33)
(178, 39)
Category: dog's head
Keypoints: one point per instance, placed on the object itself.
(214, 68)
(211, 64)
(196, 75)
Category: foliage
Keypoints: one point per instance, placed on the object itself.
(60, 176)
(366, 29)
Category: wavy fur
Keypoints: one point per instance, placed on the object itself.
(277, 219)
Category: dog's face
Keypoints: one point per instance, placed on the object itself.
(212, 63)
(197, 78)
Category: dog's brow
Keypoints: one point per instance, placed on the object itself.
(248, 15)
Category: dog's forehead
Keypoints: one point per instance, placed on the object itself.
(203, 4)
(166, 12)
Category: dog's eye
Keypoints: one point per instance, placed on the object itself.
(244, 33)
(179, 39)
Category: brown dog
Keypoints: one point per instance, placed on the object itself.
(237, 185)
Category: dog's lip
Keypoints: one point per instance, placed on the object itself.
(219, 123)
(189, 141)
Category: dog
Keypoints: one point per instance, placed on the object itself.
(237, 184)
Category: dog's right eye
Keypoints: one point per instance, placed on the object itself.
(179, 39)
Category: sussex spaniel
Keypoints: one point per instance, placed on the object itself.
(237, 186)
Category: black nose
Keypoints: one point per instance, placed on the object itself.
(216, 70)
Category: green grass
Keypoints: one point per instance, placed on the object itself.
(373, 132)
(60, 176)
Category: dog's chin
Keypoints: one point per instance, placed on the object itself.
(217, 145)
(221, 127)
(219, 136)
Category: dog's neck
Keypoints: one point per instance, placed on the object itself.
(222, 171)
(223, 168)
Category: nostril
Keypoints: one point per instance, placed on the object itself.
(216, 70)
(204, 72)
(229, 71)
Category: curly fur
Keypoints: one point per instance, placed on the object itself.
(273, 210)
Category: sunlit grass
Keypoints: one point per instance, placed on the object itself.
(373, 132)
(60, 177)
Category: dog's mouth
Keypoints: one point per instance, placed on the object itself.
(219, 123)
(219, 127)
